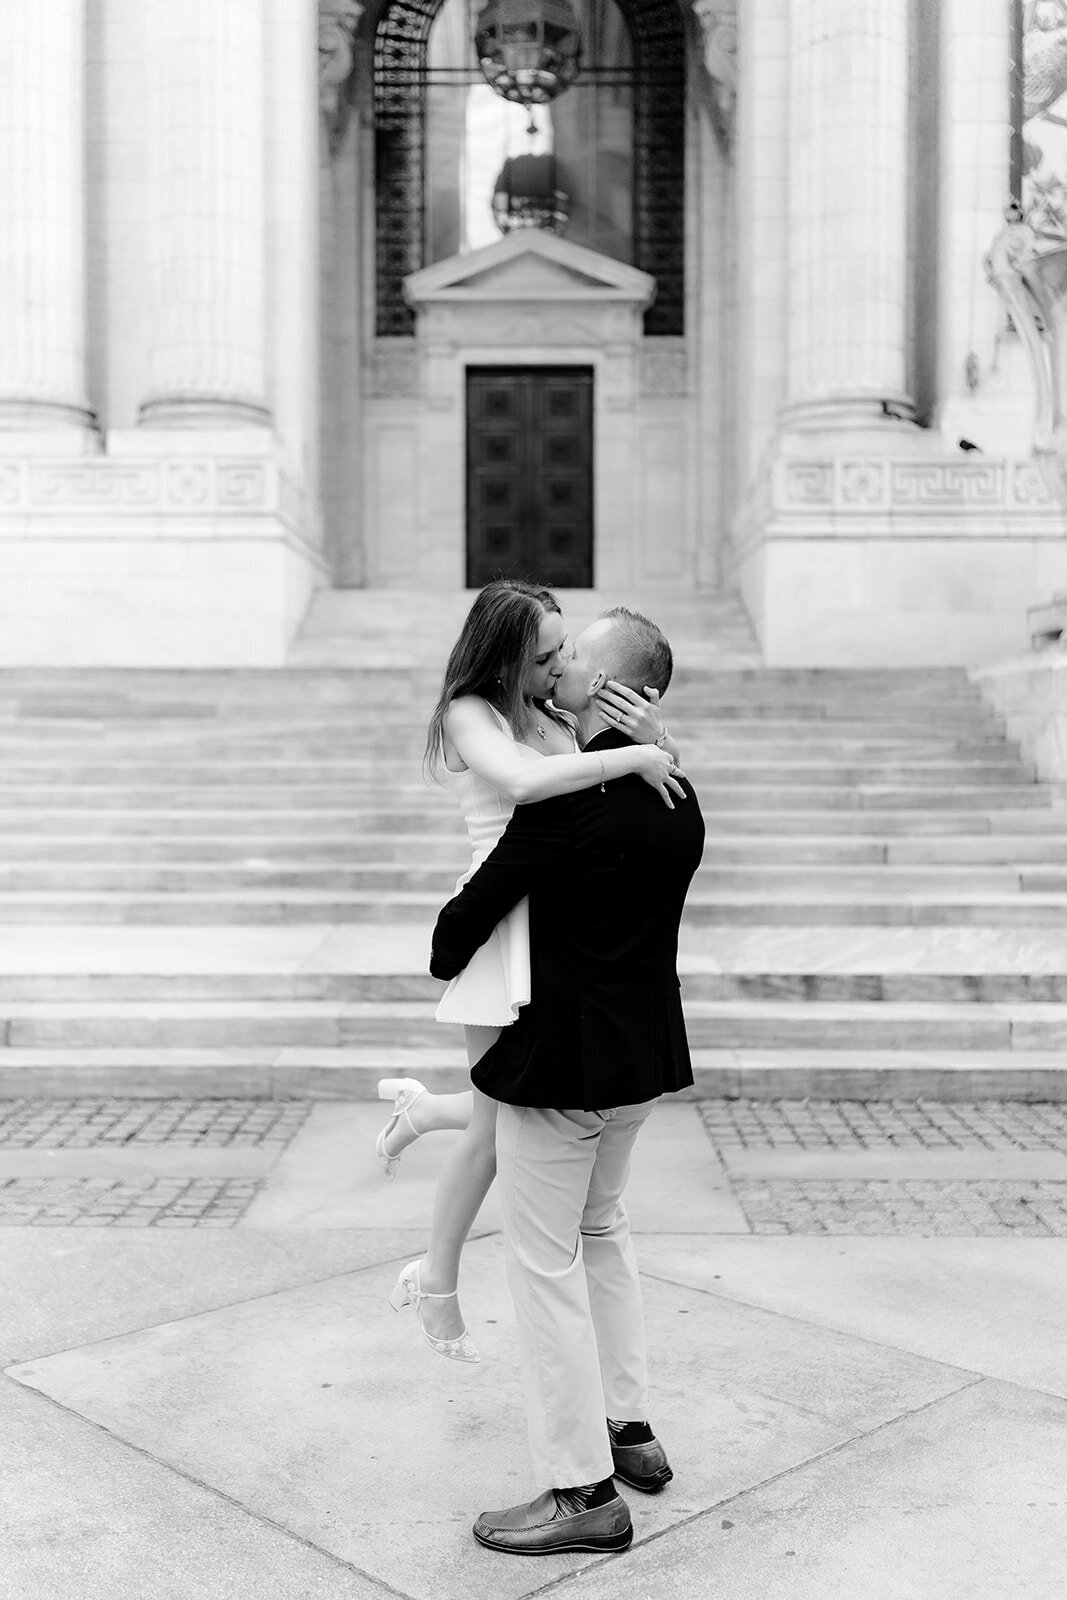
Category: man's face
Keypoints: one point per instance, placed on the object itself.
(584, 674)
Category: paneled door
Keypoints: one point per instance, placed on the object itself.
(530, 475)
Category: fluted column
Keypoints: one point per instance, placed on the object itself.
(207, 327)
(848, 249)
(42, 214)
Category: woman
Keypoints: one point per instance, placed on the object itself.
(491, 729)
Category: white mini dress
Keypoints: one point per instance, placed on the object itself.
(496, 982)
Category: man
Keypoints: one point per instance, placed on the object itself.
(576, 1075)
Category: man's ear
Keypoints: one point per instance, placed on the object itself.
(596, 683)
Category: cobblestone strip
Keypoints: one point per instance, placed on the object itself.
(885, 1124)
(109, 1202)
(931, 1208)
(210, 1124)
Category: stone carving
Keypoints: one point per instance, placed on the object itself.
(103, 485)
(240, 483)
(188, 483)
(809, 483)
(338, 20)
(863, 483)
(10, 484)
(718, 23)
(394, 371)
(862, 487)
(664, 369)
(1028, 485)
(484, 323)
(934, 483)
(1031, 279)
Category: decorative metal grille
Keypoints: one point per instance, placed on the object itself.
(658, 78)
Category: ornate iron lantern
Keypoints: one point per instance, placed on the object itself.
(528, 50)
(526, 195)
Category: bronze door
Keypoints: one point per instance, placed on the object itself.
(530, 475)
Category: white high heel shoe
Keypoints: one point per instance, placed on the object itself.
(403, 1092)
(409, 1292)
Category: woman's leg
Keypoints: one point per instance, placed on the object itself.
(466, 1176)
(429, 1113)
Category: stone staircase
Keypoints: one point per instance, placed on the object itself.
(223, 882)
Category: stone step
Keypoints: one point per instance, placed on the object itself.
(718, 797)
(705, 908)
(448, 850)
(408, 704)
(178, 876)
(106, 690)
(442, 849)
(352, 1073)
(905, 826)
(291, 738)
(798, 989)
(365, 777)
(720, 1025)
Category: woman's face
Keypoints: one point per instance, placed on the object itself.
(550, 656)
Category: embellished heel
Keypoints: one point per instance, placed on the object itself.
(403, 1092)
(408, 1291)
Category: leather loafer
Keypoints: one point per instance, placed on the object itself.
(537, 1529)
(642, 1466)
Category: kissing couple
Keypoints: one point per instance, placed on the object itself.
(560, 948)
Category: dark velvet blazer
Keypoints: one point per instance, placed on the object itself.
(607, 871)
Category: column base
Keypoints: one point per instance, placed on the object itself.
(202, 411)
(873, 409)
(45, 416)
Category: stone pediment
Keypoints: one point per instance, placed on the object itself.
(530, 265)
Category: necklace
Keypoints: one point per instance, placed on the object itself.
(541, 734)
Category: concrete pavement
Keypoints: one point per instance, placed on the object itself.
(864, 1395)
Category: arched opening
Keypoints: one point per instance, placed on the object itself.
(617, 135)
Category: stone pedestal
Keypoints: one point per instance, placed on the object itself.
(42, 221)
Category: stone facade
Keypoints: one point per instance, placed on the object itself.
(199, 424)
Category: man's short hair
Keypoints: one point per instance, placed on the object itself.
(638, 651)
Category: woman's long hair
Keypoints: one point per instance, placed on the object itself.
(491, 658)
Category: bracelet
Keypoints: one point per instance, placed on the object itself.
(603, 774)
(663, 737)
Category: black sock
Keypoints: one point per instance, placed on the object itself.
(586, 1497)
(630, 1432)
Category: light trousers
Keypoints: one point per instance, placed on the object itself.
(573, 1277)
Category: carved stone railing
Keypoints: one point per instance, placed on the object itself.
(1031, 278)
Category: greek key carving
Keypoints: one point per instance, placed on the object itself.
(951, 484)
(809, 483)
(91, 485)
(240, 483)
